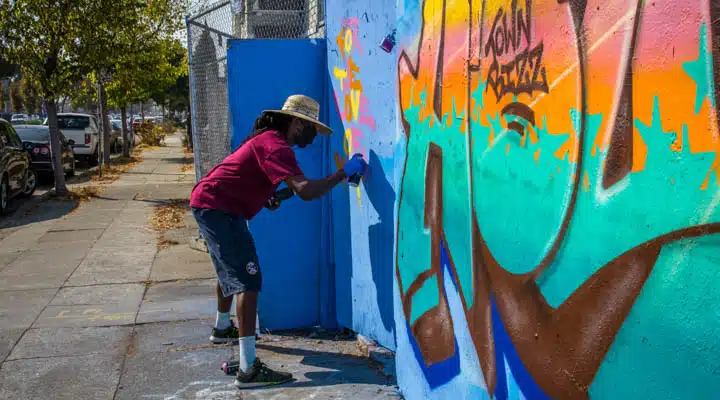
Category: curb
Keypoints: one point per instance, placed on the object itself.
(372, 350)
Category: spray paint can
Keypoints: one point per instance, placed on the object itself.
(230, 367)
(284, 194)
(389, 42)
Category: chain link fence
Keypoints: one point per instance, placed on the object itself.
(208, 32)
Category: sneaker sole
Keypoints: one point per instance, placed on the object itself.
(251, 385)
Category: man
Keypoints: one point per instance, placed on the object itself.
(234, 192)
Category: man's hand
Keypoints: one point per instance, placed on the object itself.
(273, 204)
(355, 165)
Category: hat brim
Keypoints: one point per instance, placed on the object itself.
(322, 128)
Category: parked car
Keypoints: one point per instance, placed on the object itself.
(84, 130)
(17, 178)
(36, 140)
(116, 136)
(136, 123)
(18, 119)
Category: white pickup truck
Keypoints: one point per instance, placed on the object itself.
(84, 130)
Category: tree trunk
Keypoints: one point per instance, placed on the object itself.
(60, 188)
(142, 111)
(2, 97)
(125, 137)
(106, 125)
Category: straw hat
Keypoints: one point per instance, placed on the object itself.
(303, 107)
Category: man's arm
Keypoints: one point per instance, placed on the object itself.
(311, 189)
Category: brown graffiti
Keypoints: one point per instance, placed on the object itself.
(524, 73)
(619, 161)
(520, 110)
(715, 21)
(436, 341)
(437, 103)
(563, 348)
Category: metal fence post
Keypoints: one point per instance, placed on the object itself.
(193, 102)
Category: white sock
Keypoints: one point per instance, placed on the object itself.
(222, 320)
(246, 352)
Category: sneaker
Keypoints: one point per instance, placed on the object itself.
(260, 374)
(227, 335)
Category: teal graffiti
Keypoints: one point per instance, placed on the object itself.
(700, 71)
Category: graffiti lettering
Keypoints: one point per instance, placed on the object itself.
(525, 72)
(354, 111)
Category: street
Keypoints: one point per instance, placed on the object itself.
(96, 304)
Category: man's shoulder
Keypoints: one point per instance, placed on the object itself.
(270, 142)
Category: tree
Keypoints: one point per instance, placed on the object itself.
(178, 95)
(17, 102)
(2, 97)
(141, 48)
(141, 76)
(146, 69)
(47, 39)
(58, 42)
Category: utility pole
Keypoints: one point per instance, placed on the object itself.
(102, 129)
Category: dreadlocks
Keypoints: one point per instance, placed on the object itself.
(269, 122)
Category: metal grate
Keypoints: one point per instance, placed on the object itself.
(208, 32)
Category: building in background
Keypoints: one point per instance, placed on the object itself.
(278, 19)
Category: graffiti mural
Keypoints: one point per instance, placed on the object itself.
(563, 170)
(354, 105)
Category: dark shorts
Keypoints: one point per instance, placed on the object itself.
(232, 250)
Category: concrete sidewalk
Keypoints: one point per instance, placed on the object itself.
(95, 305)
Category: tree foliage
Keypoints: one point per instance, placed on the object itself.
(174, 95)
(146, 69)
(83, 93)
(141, 76)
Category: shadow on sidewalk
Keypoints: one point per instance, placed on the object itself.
(344, 368)
(178, 160)
(44, 210)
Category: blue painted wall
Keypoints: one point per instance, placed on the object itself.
(363, 114)
(292, 241)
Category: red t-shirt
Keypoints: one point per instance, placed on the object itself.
(243, 182)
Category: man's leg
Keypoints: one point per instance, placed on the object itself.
(252, 372)
(222, 320)
(246, 308)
